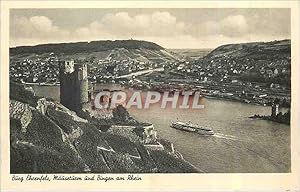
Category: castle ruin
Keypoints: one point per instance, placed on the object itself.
(73, 85)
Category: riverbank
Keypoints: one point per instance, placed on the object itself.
(207, 93)
(280, 118)
(42, 84)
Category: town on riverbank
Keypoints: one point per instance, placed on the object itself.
(256, 73)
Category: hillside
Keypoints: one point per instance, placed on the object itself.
(263, 62)
(46, 137)
(256, 51)
(190, 54)
(88, 47)
(94, 51)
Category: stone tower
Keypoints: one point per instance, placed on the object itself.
(73, 84)
(274, 112)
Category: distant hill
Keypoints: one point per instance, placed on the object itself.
(95, 50)
(255, 50)
(88, 47)
(190, 54)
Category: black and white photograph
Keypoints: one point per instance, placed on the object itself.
(150, 90)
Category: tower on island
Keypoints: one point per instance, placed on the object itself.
(274, 109)
(73, 84)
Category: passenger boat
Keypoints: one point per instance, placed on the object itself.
(192, 128)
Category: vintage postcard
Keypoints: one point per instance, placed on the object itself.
(148, 96)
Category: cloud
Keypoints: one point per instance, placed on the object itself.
(121, 24)
(37, 28)
(230, 26)
(43, 24)
(34, 26)
(271, 22)
(235, 25)
(166, 28)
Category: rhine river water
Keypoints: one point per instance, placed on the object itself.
(240, 144)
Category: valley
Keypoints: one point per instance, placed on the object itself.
(255, 73)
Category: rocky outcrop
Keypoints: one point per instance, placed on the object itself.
(46, 137)
(20, 112)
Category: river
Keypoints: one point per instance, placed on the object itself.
(240, 145)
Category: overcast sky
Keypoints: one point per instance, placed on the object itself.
(170, 28)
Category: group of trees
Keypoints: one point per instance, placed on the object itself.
(281, 78)
(283, 117)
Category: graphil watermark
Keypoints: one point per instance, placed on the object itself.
(143, 100)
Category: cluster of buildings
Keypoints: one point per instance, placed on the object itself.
(229, 70)
(109, 69)
(248, 80)
(35, 70)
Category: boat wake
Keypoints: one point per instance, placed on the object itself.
(223, 136)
